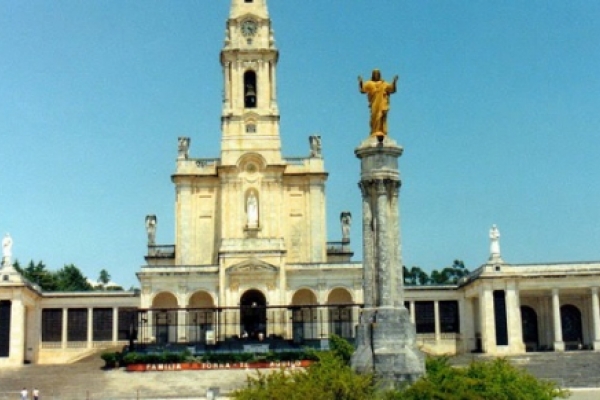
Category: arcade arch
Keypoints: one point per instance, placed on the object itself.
(164, 315)
(341, 317)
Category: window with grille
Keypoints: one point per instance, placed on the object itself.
(52, 324)
(127, 323)
(102, 324)
(424, 317)
(449, 321)
(77, 324)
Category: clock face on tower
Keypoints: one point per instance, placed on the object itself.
(249, 27)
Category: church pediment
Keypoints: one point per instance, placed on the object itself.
(252, 265)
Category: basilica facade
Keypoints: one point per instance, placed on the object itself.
(250, 224)
(251, 261)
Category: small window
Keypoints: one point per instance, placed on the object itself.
(250, 128)
(248, 1)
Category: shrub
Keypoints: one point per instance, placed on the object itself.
(341, 348)
(329, 379)
(482, 380)
(110, 358)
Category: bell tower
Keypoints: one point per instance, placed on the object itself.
(250, 116)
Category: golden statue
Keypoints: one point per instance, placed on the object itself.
(378, 92)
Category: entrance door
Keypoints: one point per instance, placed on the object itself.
(571, 324)
(253, 315)
(5, 307)
(529, 327)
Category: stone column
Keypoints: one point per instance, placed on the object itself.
(386, 337)
(115, 325)
(396, 244)
(413, 317)
(65, 323)
(488, 322)
(467, 329)
(596, 319)
(436, 317)
(513, 311)
(18, 331)
(90, 328)
(559, 345)
(368, 247)
(383, 250)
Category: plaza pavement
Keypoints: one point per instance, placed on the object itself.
(86, 380)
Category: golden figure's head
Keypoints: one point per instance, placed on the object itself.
(376, 75)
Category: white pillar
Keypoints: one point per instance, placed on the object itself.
(16, 351)
(596, 319)
(466, 323)
(488, 322)
(65, 320)
(90, 328)
(513, 310)
(412, 312)
(115, 325)
(436, 318)
(559, 345)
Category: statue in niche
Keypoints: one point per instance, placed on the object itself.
(183, 148)
(7, 247)
(315, 146)
(378, 93)
(346, 221)
(494, 242)
(151, 229)
(252, 210)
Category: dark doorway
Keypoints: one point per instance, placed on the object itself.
(5, 307)
(529, 326)
(570, 318)
(253, 315)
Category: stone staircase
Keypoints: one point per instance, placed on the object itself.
(570, 369)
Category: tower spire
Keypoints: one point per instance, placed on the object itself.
(250, 117)
(256, 7)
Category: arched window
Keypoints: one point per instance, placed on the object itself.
(250, 92)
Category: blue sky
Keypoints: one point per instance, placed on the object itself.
(497, 110)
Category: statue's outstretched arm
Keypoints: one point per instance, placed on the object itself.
(394, 81)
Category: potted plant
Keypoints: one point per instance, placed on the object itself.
(110, 359)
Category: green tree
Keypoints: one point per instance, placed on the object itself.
(70, 279)
(449, 275)
(415, 276)
(104, 277)
(38, 274)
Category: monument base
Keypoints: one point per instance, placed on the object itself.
(386, 347)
